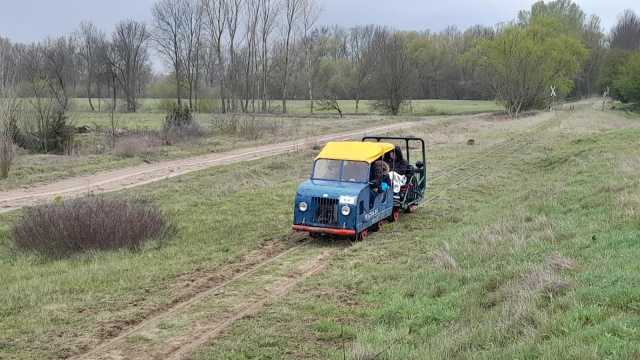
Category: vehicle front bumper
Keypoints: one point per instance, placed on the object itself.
(321, 230)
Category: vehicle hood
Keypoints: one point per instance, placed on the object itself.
(330, 189)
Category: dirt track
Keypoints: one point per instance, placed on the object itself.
(181, 329)
(144, 174)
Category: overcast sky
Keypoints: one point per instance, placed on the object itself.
(30, 20)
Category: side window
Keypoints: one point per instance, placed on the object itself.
(361, 207)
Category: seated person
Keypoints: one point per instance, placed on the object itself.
(380, 176)
(397, 161)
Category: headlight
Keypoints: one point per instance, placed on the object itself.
(303, 206)
(346, 210)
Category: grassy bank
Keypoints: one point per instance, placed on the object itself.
(57, 308)
(533, 259)
(51, 309)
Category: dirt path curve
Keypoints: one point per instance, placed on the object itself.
(144, 174)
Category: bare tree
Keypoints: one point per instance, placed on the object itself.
(393, 70)
(268, 14)
(91, 45)
(59, 65)
(233, 22)
(292, 10)
(44, 67)
(168, 20)
(7, 63)
(216, 14)
(626, 33)
(9, 109)
(191, 34)
(251, 51)
(362, 58)
(128, 57)
(310, 15)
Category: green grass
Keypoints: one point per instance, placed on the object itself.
(53, 308)
(94, 150)
(95, 156)
(569, 198)
(155, 108)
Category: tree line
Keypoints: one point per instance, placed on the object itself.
(254, 55)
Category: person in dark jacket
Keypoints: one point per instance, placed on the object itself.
(397, 162)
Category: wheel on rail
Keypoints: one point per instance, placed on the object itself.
(362, 235)
(395, 215)
(412, 209)
(380, 226)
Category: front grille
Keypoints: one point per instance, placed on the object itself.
(326, 211)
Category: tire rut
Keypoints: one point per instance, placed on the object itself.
(207, 315)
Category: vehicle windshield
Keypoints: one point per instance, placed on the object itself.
(341, 170)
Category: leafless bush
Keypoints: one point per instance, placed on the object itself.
(9, 110)
(246, 126)
(7, 155)
(131, 146)
(91, 223)
(175, 134)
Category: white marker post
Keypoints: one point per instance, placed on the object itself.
(553, 98)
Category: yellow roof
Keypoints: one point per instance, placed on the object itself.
(355, 151)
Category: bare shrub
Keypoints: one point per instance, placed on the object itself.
(7, 155)
(10, 108)
(246, 126)
(179, 125)
(91, 223)
(131, 146)
(173, 135)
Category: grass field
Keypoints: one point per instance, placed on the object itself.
(96, 156)
(533, 258)
(94, 153)
(82, 114)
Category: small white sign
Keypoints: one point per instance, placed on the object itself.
(347, 200)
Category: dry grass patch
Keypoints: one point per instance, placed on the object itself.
(132, 146)
(517, 299)
(362, 352)
(442, 259)
(511, 233)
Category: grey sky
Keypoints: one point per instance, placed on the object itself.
(29, 20)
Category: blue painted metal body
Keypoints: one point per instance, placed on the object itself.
(325, 200)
